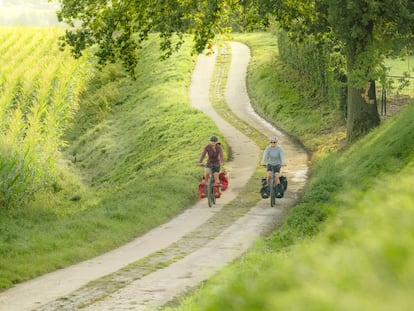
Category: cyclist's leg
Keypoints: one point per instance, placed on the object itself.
(277, 174)
(216, 170)
(279, 188)
(207, 174)
(269, 173)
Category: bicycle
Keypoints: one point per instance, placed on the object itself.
(210, 191)
(272, 188)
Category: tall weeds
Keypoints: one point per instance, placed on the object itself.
(39, 93)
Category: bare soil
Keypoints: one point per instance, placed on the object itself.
(177, 256)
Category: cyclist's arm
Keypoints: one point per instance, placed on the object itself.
(221, 156)
(264, 158)
(282, 158)
(203, 154)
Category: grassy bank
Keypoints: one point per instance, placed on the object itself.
(349, 244)
(132, 155)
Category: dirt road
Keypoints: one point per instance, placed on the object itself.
(167, 261)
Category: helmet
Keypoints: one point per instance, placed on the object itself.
(273, 139)
(213, 138)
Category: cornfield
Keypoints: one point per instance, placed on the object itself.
(39, 94)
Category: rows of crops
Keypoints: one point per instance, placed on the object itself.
(39, 92)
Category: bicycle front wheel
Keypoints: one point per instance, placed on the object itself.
(272, 192)
(272, 197)
(210, 194)
(213, 194)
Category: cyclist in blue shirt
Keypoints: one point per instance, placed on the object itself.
(274, 156)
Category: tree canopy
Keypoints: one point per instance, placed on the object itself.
(368, 31)
(118, 27)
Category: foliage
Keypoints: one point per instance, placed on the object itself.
(321, 66)
(378, 29)
(38, 96)
(119, 29)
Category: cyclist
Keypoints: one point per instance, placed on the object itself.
(274, 156)
(214, 161)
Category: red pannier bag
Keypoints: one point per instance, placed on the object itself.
(202, 189)
(224, 180)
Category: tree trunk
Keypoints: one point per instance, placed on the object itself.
(362, 112)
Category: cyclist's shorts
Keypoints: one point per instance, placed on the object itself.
(214, 168)
(275, 168)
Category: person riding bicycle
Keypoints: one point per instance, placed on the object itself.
(274, 156)
(214, 161)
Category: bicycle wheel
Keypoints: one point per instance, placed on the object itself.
(213, 192)
(272, 192)
(209, 194)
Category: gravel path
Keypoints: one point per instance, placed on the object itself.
(175, 257)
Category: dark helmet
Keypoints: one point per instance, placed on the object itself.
(213, 138)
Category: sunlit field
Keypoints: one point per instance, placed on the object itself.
(30, 13)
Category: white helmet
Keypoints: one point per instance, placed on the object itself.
(273, 139)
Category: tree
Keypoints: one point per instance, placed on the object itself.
(368, 30)
(118, 27)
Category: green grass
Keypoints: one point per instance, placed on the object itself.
(400, 66)
(135, 169)
(349, 244)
